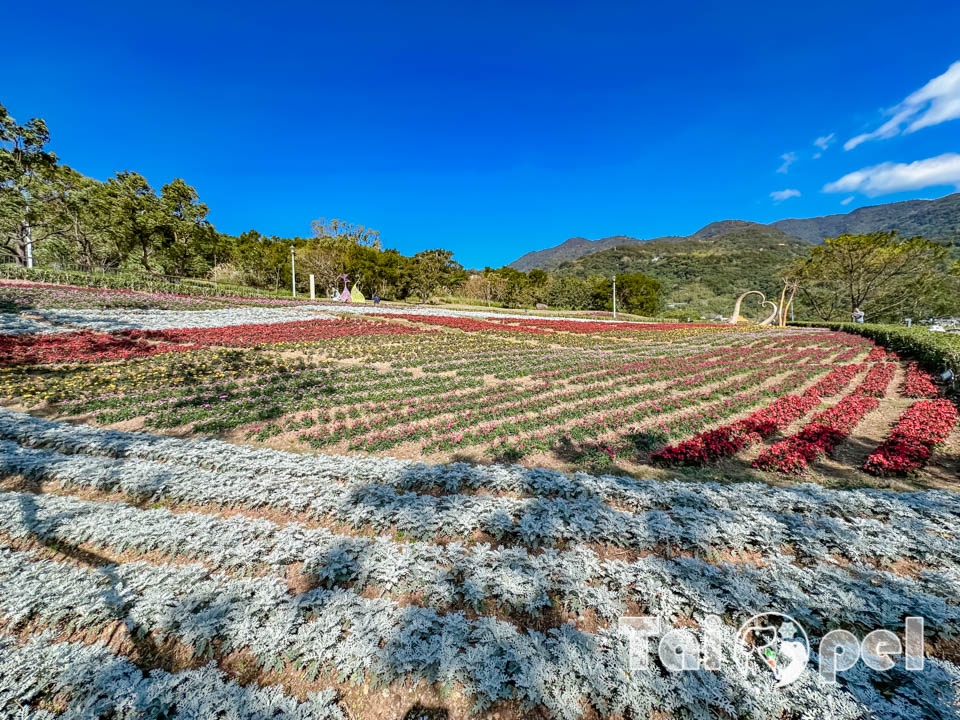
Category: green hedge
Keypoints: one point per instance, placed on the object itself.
(934, 350)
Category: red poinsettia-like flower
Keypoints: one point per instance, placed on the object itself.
(908, 447)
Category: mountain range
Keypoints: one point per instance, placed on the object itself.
(934, 219)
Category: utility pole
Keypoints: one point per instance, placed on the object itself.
(614, 297)
(293, 273)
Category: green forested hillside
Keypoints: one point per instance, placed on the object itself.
(701, 274)
(933, 219)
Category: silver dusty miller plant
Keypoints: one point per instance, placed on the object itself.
(239, 600)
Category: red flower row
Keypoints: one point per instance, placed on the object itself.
(469, 324)
(589, 327)
(728, 440)
(877, 380)
(925, 424)
(820, 436)
(835, 381)
(302, 331)
(102, 347)
(878, 354)
(74, 347)
(918, 383)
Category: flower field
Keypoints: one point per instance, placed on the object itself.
(429, 514)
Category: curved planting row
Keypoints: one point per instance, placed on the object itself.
(877, 381)
(379, 642)
(467, 324)
(587, 327)
(820, 437)
(301, 330)
(728, 440)
(89, 346)
(453, 575)
(908, 446)
(533, 522)
(285, 480)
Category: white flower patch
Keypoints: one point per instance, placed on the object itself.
(532, 522)
(21, 324)
(512, 577)
(100, 684)
(939, 507)
(240, 600)
(376, 492)
(493, 660)
(116, 320)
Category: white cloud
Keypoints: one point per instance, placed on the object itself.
(936, 102)
(817, 155)
(847, 201)
(788, 159)
(891, 177)
(780, 195)
(824, 142)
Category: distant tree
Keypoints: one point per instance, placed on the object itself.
(434, 269)
(137, 217)
(76, 221)
(184, 229)
(636, 293)
(326, 259)
(880, 272)
(25, 167)
(390, 274)
(568, 291)
(537, 277)
(253, 254)
(341, 230)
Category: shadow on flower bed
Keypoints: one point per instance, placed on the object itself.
(147, 655)
(419, 712)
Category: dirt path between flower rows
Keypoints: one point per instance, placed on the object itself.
(843, 467)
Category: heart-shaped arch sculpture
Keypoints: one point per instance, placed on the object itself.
(773, 315)
(763, 302)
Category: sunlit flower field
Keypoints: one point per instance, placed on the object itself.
(243, 510)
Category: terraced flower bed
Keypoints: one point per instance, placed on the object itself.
(436, 515)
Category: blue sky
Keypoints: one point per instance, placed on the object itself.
(497, 128)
